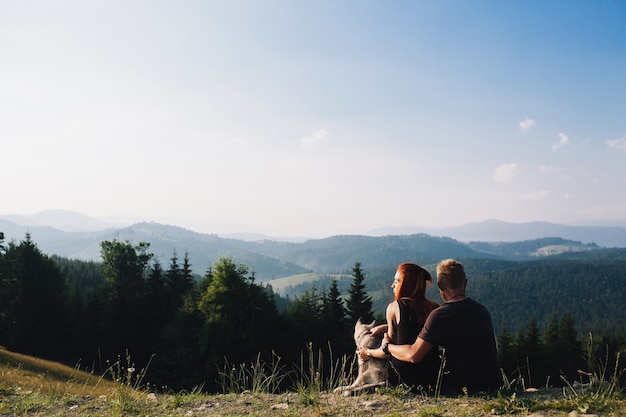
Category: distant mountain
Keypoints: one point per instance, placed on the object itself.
(499, 231)
(271, 259)
(486, 231)
(67, 221)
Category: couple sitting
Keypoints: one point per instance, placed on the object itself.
(416, 328)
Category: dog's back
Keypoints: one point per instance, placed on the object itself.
(372, 373)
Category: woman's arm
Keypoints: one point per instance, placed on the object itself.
(392, 315)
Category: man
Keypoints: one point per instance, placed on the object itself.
(464, 329)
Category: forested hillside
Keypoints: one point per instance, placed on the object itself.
(189, 325)
(592, 288)
(271, 259)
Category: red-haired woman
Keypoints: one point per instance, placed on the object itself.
(406, 316)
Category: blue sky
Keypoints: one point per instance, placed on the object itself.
(315, 117)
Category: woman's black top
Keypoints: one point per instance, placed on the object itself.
(422, 374)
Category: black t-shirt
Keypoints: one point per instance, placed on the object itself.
(465, 331)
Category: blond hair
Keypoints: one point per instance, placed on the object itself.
(450, 275)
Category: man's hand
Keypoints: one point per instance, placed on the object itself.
(363, 354)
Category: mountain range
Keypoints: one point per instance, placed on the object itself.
(76, 236)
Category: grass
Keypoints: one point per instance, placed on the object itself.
(280, 285)
(36, 388)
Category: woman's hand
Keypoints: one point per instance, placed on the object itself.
(378, 330)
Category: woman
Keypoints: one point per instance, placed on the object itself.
(406, 316)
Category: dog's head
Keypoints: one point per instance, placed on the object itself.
(363, 336)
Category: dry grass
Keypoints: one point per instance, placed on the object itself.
(36, 388)
(30, 373)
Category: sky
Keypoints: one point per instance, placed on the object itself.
(314, 117)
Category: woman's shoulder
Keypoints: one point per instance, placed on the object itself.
(393, 306)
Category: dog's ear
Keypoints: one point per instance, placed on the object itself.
(358, 322)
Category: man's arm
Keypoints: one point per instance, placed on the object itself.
(410, 353)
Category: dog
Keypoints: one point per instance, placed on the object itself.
(373, 372)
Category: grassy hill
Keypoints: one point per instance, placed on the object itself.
(37, 388)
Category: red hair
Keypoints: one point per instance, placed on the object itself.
(412, 285)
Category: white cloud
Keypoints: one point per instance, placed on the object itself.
(563, 140)
(526, 124)
(505, 172)
(311, 141)
(619, 144)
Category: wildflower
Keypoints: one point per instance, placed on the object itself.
(131, 370)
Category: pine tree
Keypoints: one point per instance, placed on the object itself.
(359, 303)
(9, 292)
(304, 312)
(157, 316)
(240, 317)
(124, 267)
(506, 348)
(38, 309)
(571, 358)
(550, 353)
(528, 348)
(333, 320)
(179, 282)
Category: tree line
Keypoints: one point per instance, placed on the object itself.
(184, 325)
(188, 327)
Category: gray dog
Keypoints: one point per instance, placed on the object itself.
(372, 373)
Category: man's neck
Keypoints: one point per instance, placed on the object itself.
(454, 297)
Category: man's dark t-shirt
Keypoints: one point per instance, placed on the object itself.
(465, 331)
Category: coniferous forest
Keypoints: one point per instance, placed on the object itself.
(185, 328)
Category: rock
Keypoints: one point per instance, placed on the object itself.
(371, 405)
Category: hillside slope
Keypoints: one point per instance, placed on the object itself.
(27, 388)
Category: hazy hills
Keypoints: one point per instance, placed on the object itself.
(78, 237)
(541, 274)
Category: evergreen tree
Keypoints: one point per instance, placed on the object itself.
(155, 287)
(124, 267)
(182, 351)
(333, 321)
(571, 358)
(304, 314)
(37, 310)
(528, 348)
(157, 315)
(240, 317)
(551, 354)
(9, 297)
(506, 349)
(359, 303)
(179, 281)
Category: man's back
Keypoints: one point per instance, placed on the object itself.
(465, 331)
